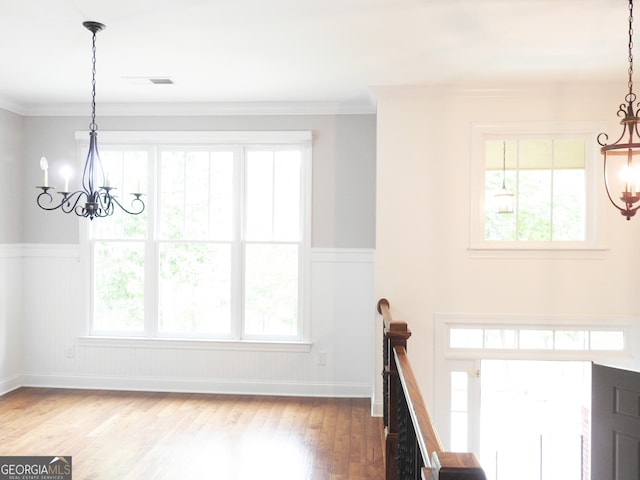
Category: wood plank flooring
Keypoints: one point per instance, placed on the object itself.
(115, 435)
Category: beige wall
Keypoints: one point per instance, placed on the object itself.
(423, 265)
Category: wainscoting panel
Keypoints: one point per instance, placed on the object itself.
(339, 361)
(10, 317)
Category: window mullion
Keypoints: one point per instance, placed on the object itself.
(517, 192)
(238, 243)
(552, 206)
(273, 195)
(151, 246)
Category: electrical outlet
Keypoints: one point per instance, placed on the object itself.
(69, 351)
(321, 360)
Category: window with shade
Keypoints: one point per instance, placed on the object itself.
(534, 191)
(221, 249)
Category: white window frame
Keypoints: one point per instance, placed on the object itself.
(189, 139)
(481, 132)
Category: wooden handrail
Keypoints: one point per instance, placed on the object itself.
(413, 449)
(426, 434)
(389, 323)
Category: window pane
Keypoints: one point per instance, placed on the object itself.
(259, 174)
(195, 288)
(196, 195)
(459, 411)
(273, 195)
(465, 338)
(570, 340)
(569, 205)
(271, 289)
(500, 161)
(534, 190)
(459, 391)
(536, 339)
(127, 172)
(495, 338)
(534, 205)
(286, 222)
(607, 340)
(118, 286)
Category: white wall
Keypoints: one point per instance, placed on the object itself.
(422, 261)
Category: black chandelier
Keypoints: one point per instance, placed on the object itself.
(97, 197)
(625, 148)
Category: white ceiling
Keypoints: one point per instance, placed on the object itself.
(273, 51)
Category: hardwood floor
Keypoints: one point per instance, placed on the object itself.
(132, 435)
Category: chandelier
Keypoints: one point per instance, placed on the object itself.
(620, 155)
(97, 197)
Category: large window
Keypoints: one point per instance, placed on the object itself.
(547, 180)
(220, 250)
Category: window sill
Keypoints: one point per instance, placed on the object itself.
(195, 344)
(537, 251)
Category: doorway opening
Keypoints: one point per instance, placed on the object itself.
(535, 419)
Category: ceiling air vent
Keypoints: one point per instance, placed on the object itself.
(161, 81)
(148, 80)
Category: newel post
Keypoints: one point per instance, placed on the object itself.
(395, 334)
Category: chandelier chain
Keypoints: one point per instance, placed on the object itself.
(504, 164)
(93, 127)
(630, 47)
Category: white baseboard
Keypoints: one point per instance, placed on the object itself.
(377, 408)
(197, 386)
(9, 384)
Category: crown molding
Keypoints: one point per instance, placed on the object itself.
(11, 106)
(197, 109)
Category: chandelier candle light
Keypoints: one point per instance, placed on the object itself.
(97, 198)
(625, 148)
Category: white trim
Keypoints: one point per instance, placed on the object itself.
(9, 384)
(51, 250)
(444, 323)
(349, 255)
(209, 136)
(11, 250)
(198, 385)
(593, 246)
(511, 250)
(193, 344)
(35, 250)
(178, 109)
(377, 408)
(59, 250)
